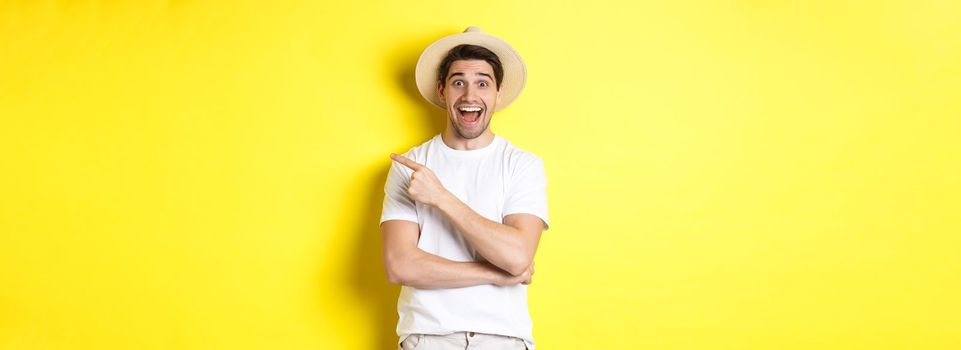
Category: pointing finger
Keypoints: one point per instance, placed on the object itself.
(406, 162)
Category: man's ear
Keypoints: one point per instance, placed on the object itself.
(440, 91)
(499, 93)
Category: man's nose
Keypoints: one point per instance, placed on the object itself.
(470, 92)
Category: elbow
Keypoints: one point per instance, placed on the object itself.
(396, 273)
(402, 267)
(519, 266)
(394, 277)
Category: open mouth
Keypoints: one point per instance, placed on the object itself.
(470, 114)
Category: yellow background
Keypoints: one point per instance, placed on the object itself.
(722, 175)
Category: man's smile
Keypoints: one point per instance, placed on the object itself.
(469, 114)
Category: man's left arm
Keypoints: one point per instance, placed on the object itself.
(510, 246)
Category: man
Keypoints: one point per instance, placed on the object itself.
(463, 212)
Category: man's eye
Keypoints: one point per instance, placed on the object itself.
(458, 83)
(483, 84)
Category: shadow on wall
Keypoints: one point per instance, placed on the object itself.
(369, 280)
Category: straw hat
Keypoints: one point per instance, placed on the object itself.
(515, 73)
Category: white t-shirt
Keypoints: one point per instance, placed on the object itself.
(495, 181)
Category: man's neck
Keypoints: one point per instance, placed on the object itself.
(452, 140)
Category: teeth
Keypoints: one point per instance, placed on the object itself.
(470, 109)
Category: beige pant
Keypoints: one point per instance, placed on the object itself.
(462, 341)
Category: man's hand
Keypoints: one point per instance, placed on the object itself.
(424, 186)
(524, 278)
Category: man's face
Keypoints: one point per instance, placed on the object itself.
(470, 94)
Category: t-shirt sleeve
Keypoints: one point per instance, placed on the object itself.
(397, 203)
(528, 193)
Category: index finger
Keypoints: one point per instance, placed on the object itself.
(406, 162)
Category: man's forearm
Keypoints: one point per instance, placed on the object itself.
(505, 246)
(428, 271)
(500, 244)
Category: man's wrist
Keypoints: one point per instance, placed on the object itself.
(446, 201)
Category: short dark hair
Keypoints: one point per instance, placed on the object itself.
(470, 52)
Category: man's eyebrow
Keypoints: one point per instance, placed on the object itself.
(462, 74)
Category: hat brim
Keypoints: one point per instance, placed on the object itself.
(515, 73)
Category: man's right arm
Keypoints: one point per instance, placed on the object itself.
(410, 266)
